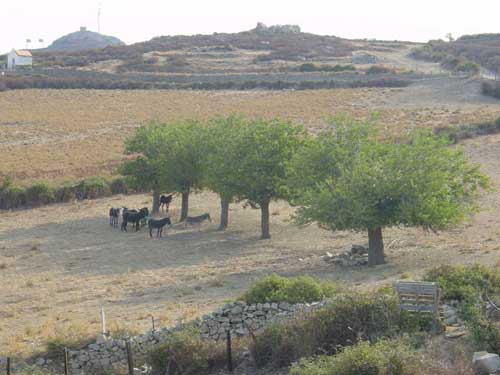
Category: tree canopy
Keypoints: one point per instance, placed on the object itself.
(167, 156)
(350, 179)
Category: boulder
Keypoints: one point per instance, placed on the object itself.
(488, 363)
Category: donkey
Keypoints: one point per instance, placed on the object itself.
(114, 213)
(197, 220)
(165, 201)
(158, 224)
(134, 217)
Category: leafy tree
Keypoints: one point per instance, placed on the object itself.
(168, 156)
(143, 172)
(352, 180)
(264, 148)
(222, 159)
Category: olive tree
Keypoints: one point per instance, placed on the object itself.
(350, 179)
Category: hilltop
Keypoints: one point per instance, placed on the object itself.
(84, 40)
(188, 53)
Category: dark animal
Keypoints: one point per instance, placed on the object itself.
(158, 224)
(114, 213)
(165, 201)
(197, 220)
(133, 216)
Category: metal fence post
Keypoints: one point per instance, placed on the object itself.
(229, 352)
(8, 365)
(66, 367)
(130, 358)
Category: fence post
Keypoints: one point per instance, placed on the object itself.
(66, 368)
(153, 322)
(229, 353)
(130, 358)
(8, 365)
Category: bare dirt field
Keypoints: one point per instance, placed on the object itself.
(60, 263)
(60, 135)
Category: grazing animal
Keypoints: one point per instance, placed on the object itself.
(165, 201)
(114, 213)
(133, 216)
(158, 224)
(197, 220)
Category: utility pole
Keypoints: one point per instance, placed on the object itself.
(99, 18)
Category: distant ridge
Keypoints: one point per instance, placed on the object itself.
(84, 40)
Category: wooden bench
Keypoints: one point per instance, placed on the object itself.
(419, 297)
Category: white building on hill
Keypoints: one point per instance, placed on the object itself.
(19, 58)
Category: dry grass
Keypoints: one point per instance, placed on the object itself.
(59, 135)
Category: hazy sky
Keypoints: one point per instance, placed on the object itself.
(134, 21)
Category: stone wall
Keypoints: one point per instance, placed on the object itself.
(241, 319)
(237, 317)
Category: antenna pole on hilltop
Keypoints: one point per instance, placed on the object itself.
(99, 18)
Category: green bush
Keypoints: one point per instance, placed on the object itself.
(484, 333)
(463, 283)
(184, 352)
(39, 194)
(12, 197)
(118, 186)
(382, 358)
(302, 289)
(342, 322)
(64, 193)
(93, 188)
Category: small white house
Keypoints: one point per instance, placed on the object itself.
(19, 58)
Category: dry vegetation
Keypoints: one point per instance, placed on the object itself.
(58, 135)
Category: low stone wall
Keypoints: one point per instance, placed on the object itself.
(109, 353)
(237, 317)
(241, 319)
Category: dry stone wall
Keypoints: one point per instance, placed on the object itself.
(239, 318)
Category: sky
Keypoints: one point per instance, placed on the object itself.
(134, 21)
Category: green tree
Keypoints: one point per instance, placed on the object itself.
(168, 156)
(265, 147)
(349, 179)
(143, 172)
(222, 170)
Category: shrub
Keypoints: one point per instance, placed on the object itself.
(466, 284)
(39, 194)
(93, 188)
(274, 288)
(12, 196)
(484, 333)
(118, 186)
(184, 352)
(64, 193)
(382, 358)
(378, 69)
(344, 321)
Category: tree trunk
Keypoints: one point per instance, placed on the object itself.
(185, 205)
(264, 220)
(375, 247)
(156, 202)
(224, 214)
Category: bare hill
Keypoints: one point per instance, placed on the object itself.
(84, 40)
